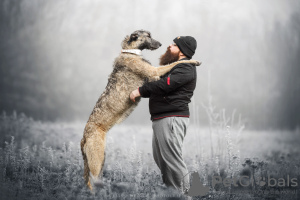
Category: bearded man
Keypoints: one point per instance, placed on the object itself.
(168, 104)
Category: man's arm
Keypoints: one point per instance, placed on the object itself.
(180, 76)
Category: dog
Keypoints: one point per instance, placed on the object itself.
(130, 71)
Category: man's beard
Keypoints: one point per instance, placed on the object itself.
(168, 57)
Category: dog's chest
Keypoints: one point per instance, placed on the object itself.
(122, 75)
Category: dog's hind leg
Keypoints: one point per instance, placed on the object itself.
(86, 174)
(94, 155)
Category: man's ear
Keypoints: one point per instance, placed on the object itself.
(180, 53)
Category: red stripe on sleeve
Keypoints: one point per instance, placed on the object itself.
(168, 80)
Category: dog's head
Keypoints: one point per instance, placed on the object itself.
(140, 39)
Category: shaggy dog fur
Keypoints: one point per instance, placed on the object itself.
(129, 72)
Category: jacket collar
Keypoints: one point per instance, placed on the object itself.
(185, 59)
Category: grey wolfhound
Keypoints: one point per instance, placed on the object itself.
(130, 71)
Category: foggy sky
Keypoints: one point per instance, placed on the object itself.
(56, 56)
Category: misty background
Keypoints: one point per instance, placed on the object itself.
(56, 56)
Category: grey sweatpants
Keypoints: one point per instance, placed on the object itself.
(167, 141)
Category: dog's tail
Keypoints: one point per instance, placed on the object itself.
(93, 152)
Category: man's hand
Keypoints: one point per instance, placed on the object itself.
(134, 94)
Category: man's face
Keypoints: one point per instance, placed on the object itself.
(174, 48)
(171, 55)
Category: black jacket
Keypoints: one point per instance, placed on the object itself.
(171, 95)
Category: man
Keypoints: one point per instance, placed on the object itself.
(168, 104)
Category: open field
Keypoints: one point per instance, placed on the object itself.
(43, 161)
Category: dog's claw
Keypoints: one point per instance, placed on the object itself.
(198, 63)
(195, 62)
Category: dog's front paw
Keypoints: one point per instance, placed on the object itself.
(154, 78)
(196, 63)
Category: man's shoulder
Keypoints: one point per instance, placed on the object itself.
(183, 67)
(185, 64)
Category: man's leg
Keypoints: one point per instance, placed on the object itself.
(168, 135)
(157, 156)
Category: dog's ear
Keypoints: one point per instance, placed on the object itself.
(133, 37)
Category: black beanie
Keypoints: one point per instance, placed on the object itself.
(187, 45)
